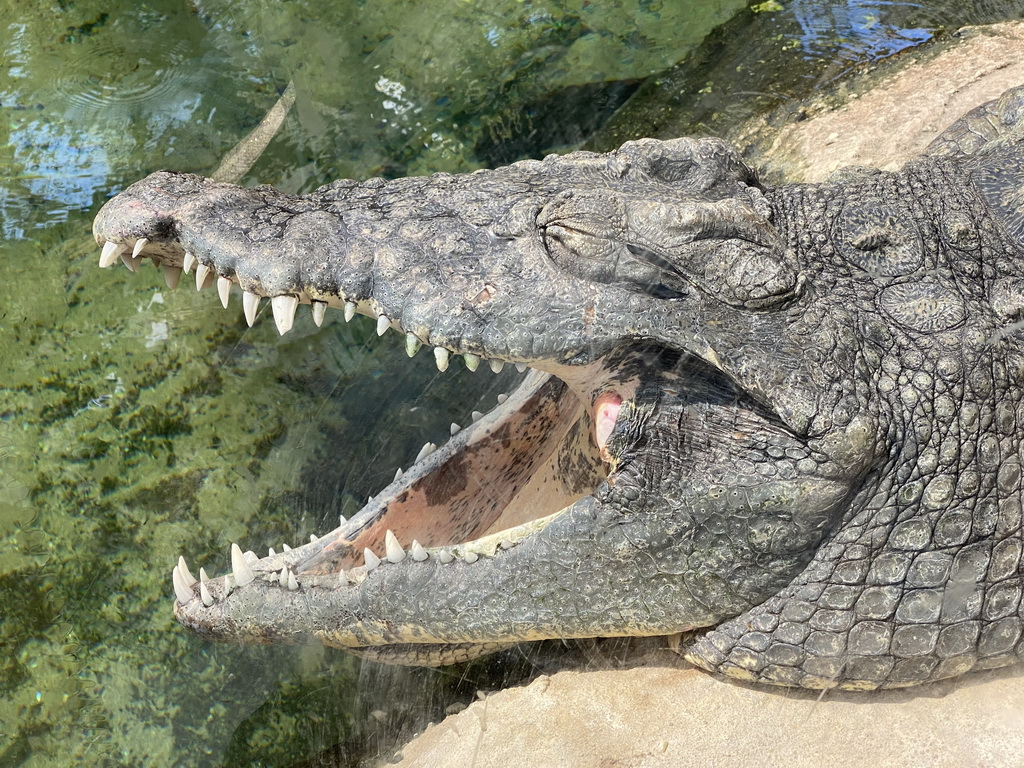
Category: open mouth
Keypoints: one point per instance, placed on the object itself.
(503, 477)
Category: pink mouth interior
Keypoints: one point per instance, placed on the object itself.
(606, 412)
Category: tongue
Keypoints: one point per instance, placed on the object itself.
(606, 411)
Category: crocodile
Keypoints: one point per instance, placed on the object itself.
(781, 425)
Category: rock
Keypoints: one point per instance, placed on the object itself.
(888, 116)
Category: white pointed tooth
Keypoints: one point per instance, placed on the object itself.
(426, 450)
(284, 312)
(229, 584)
(282, 578)
(412, 345)
(313, 538)
(285, 548)
(319, 309)
(250, 557)
(181, 590)
(471, 557)
(496, 365)
(521, 367)
(441, 356)
(139, 245)
(392, 547)
(476, 415)
(239, 567)
(383, 323)
(171, 276)
(369, 500)
(293, 583)
(189, 262)
(190, 580)
(506, 544)
(224, 290)
(250, 305)
(204, 592)
(370, 559)
(502, 398)
(445, 556)
(271, 552)
(472, 361)
(132, 263)
(342, 519)
(398, 474)
(350, 310)
(110, 253)
(454, 429)
(202, 272)
(419, 554)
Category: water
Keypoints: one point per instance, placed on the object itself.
(138, 423)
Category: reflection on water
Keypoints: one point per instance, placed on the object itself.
(864, 29)
(137, 423)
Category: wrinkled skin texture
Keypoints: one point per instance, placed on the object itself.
(792, 416)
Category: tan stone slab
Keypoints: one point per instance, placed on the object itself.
(656, 717)
(899, 116)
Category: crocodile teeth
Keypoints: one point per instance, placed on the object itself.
(171, 276)
(282, 578)
(293, 583)
(204, 592)
(445, 556)
(110, 253)
(472, 361)
(139, 245)
(285, 548)
(319, 308)
(371, 560)
(202, 272)
(398, 474)
(441, 356)
(131, 262)
(502, 398)
(240, 568)
(412, 345)
(496, 365)
(284, 312)
(426, 450)
(224, 290)
(521, 367)
(271, 552)
(250, 303)
(383, 323)
(313, 538)
(471, 557)
(350, 310)
(419, 554)
(476, 415)
(181, 590)
(454, 429)
(189, 262)
(393, 548)
(190, 580)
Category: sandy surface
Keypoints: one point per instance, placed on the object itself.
(901, 113)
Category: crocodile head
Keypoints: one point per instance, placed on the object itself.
(702, 414)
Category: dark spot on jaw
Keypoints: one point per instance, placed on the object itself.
(447, 483)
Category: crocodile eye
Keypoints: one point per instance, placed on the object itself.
(583, 241)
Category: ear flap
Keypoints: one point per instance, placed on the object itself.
(724, 247)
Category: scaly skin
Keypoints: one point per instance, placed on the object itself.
(790, 414)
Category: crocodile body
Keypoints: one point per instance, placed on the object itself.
(788, 419)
